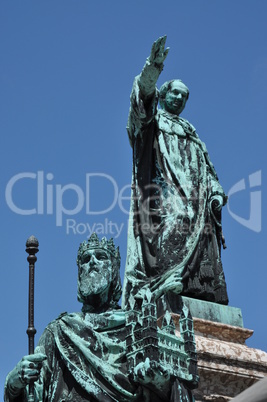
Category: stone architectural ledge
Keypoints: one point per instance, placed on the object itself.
(226, 366)
(215, 330)
(224, 332)
(225, 345)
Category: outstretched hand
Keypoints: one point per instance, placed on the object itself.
(27, 370)
(153, 67)
(158, 52)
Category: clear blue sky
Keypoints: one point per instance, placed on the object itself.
(66, 73)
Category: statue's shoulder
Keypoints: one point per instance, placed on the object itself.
(166, 116)
(161, 114)
(64, 314)
(187, 124)
(65, 318)
(54, 323)
(165, 120)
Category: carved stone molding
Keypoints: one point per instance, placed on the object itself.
(226, 366)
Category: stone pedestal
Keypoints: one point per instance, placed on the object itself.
(226, 366)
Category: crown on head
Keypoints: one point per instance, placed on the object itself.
(103, 244)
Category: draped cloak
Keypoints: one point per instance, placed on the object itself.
(86, 361)
(172, 228)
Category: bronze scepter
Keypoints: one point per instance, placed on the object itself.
(32, 249)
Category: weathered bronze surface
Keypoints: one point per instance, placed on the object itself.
(175, 231)
(104, 353)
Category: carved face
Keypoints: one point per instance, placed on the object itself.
(94, 274)
(176, 98)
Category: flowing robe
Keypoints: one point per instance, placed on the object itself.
(172, 228)
(86, 361)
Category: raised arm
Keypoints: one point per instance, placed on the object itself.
(153, 67)
(144, 97)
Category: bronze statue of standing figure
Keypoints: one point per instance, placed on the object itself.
(175, 232)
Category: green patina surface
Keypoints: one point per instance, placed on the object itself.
(104, 353)
(175, 231)
(214, 312)
(108, 354)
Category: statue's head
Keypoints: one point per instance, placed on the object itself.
(99, 282)
(173, 96)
